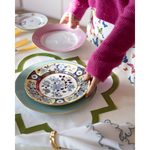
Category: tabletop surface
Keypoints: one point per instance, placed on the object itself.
(123, 97)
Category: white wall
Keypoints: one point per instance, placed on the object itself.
(18, 5)
(50, 8)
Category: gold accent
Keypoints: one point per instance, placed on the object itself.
(53, 142)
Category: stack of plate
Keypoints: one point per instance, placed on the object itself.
(53, 87)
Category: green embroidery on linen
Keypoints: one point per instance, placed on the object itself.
(25, 130)
(106, 95)
(21, 64)
(95, 113)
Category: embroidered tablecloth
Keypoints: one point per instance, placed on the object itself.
(114, 98)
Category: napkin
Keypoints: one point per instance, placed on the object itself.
(100, 136)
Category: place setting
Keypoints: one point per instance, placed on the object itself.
(53, 87)
(51, 108)
(49, 104)
(45, 85)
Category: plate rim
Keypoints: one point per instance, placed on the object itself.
(52, 98)
(36, 37)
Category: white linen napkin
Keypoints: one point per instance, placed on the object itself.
(100, 136)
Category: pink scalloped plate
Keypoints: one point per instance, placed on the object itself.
(58, 38)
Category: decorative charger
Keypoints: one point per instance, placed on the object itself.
(57, 83)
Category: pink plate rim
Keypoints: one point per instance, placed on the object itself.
(38, 34)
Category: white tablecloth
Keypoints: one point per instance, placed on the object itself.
(123, 97)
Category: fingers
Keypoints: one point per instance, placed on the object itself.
(77, 24)
(64, 19)
(93, 85)
(71, 20)
(87, 77)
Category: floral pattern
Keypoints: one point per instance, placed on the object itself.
(56, 84)
(119, 132)
(29, 21)
(59, 85)
(57, 67)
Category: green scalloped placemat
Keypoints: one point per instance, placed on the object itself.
(95, 113)
(21, 64)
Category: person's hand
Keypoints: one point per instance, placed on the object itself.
(93, 85)
(71, 19)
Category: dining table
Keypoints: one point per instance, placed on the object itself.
(113, 99)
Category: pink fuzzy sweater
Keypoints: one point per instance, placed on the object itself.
(110, 53)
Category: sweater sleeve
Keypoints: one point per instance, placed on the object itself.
(78, 8)
(112, 50)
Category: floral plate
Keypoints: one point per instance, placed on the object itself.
(56, 84)
(30, 21)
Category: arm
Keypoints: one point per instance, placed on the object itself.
(112, 50)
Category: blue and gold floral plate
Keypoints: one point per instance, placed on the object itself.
(57, 83)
